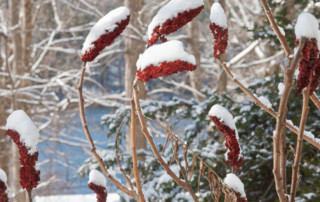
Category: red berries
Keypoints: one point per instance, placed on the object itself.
(29, 175)
(100, 191)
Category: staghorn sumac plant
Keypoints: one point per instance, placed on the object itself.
(25, 134)
(97, 183)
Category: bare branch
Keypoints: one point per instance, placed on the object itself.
(295, 167)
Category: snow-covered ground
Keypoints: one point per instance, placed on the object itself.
(112, 197)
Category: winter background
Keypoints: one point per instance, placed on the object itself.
(49, 91)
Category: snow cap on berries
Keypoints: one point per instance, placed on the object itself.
(217, 15)
(172, 17)
(19, 121)
(97, 183)
(225, 124)
(234, 183)
(104, 32)
(219, 29)
(97, 178)
(307, 26)
(163, 60)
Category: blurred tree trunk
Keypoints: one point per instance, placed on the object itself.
(194, 49)
(22, 40)
(133, 48)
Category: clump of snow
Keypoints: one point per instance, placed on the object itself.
(235, 183)
(97, 178)
(29, 135)
(223, 114)
(307, 26)
(169, 51)
(265, 101)
(217, 15)
(280, 88)
(170, 11)
(105, 25)
(3, 176)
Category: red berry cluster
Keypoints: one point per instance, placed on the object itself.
(29, 175)
(309, 66)
(172, 25)
(100, 191)
(104, 40)
(220, 36)
(3, 194)
(165, 69)
(231, 143)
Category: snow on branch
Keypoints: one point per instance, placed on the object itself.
(104, 32)
(309, 65)
(25, 134)
(219, 29)
(163, 60)
(225, 124)
(3, 187)
(237, 186)
(98, 184)
(172, 17)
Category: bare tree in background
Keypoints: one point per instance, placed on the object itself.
(133, 47)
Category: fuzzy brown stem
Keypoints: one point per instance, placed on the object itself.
(92, 146)
(134, 151)
(150, 140)
(275, 28)
(315, 100)
(295, 167)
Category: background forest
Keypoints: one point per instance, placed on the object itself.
(40, 45)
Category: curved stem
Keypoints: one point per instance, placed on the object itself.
(92, 146)
(134, 151)
(150, 140)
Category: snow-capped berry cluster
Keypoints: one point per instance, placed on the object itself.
(309, 66)
(237, 186)
(163, 60)
(219, 29)
(3, 187)
(225, 124)
(172, 17)
(25, 134)
(97, 183)
(104, 32)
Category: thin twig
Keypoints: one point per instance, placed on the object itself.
(117, 156)
(315, 100)
(276, 29)
(295, 167)
(150, 140)
(92, 146)
(185, 176)
(134, 151)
